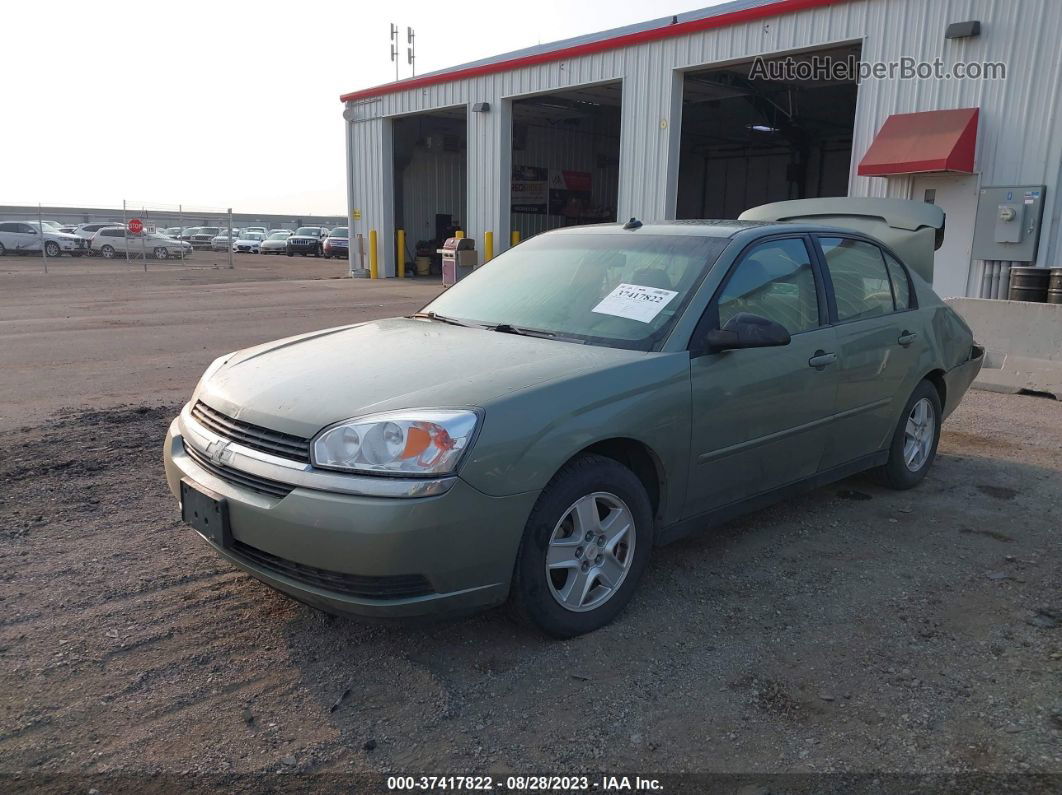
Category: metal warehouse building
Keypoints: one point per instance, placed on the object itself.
(675, 118)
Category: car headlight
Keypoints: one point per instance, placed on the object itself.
(412, 442)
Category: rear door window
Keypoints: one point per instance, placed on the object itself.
(861, 285)
(901, 284)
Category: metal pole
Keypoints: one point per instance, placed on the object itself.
(230, 238)
(180, 229)
(125, 232)
(143, 244)
(40, 229)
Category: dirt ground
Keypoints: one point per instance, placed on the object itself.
(853, 630)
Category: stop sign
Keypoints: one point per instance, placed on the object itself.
(136, 226)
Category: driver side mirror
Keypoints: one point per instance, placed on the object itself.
(746, 330)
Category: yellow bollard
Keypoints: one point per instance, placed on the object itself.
(459, 233)
(373, 267)
(401, 246)
(488, 246)
(514, 238)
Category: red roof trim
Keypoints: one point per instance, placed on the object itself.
(627, 40)
(916, 143)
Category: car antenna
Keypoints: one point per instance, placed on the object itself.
(634, 223)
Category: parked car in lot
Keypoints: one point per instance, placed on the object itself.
(307, 240)
(261, 229)
(25, 236)
(222, 240)
(112, 241)
(275, 231)
(536, 429)
(203, 236)
(336, 244)
(275, 243)
(88, 231)
(248, 242)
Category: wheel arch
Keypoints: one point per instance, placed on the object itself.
(936, 378)
(638, 457)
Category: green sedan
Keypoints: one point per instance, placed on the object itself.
(533, 432)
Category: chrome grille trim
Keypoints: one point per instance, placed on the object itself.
(262, 485)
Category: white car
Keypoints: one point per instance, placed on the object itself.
(248, 242)
(112, 241)
(275, 243)
(221, 241)
(88, 231)
(19, 236)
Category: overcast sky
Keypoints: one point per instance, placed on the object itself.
(219, 104)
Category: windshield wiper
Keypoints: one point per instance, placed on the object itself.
(443, 319)
(509, 328)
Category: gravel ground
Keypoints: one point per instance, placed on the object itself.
(855, 629)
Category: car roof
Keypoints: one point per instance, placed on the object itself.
(700, 227)
(707, 227)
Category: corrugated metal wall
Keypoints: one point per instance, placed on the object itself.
(1020, 138)
(434, 182)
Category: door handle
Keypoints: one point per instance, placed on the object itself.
(821, 359)
(907, 337)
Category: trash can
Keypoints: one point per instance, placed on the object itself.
(1028, 284)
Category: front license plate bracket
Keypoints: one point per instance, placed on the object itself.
(207, 512)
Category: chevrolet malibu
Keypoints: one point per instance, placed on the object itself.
(533, 432)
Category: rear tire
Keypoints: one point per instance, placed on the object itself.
(3, 250)
(914, 442)
(162, 253)
(585, 547)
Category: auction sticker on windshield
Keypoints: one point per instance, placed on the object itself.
(635, 302)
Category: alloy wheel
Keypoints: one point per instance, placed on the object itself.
(590, 552)
(107, 252)
(918, 435)
(51, 248)
(162, 253)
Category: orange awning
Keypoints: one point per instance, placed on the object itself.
(913, 143)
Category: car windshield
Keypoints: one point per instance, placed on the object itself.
(623, 291)
(339, 231)
(310, 231)
(278, 236)
(251, 236)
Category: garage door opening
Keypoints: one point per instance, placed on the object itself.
(430, 180)
(565, 158)
(749, 141)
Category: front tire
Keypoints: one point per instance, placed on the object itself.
(585, 548)
(51, 248)
(914, 442)
(107, 252)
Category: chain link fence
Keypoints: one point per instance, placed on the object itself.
(135, 230)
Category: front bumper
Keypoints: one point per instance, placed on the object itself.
(463, 542)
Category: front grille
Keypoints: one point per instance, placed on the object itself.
(282, 444)
(395, 586)
(239, 478)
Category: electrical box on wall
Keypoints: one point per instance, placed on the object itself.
(1008, 223)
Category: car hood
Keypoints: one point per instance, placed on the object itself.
(301, 384)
